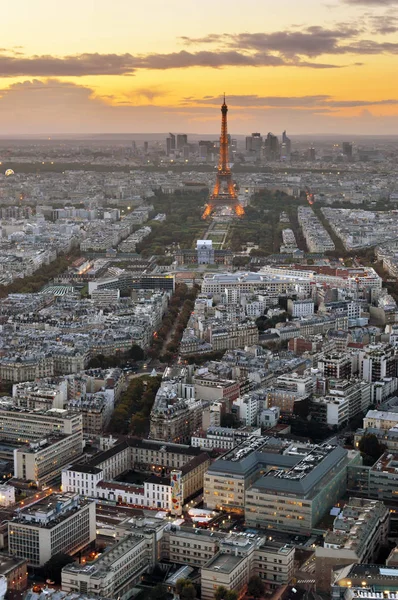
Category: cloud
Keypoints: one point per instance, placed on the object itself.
(301, 102)
(251, 100)
(77, 65)
(51, 106)
(383, 24)
(311, 42)
(127, 64)
(355, 103)
(372, 47)
(148, 94)
(295, 47)
(372, 2)
(35, 89)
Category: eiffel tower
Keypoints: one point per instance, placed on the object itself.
(224, 192)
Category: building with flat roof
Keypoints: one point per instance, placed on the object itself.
(24, 425)
(43, 461)
(300, 308)
(335, 365)
(378, 481)
(288, 401)
(364, 581)
(278, 483)
(7, 495)
(359, 531)
(240, 557)
(211, 387)
(50, 393)
(273, 284)
(58, 523)
(378, 361)
(227, 570)
(295, 497)
(330, 410)
(114, 573)
(227, 478)
(196, 548)
(50, 593)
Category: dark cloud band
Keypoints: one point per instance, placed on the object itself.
(289, 48)
(306, 102)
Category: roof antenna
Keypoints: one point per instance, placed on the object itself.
(224, 97)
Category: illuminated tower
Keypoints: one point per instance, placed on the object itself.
(224, 192)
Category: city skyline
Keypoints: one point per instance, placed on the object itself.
(311, 68)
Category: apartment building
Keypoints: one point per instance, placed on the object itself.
(388, 438)
(330, 410)
(359, 531)
(211, 387)
(226, 570)
(43, 396)
(43, 461)
(26, 368)
(114, 574)
(378, 419)
(15, 570)
(377, 362)
(58, 523)
(242, 556)
(194, 547)
(357, 393)
(249, 407)
(288, 401)
(365, 581)
(103, 297)
(335, 365)
(225, 438)
(316, 236)
(22, 425)
(300, 308)
(96, 411)
(173, 418)
(378, 481)
(302, 384)
(249, 283)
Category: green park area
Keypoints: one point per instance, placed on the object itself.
(183, 224)
(261, 224)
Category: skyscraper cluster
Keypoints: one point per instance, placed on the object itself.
(269, 148)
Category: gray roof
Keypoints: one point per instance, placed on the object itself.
(306, 485)
(253, 461)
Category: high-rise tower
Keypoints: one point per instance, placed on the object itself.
(224, 192)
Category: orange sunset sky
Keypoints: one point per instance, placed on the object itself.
(308, 66)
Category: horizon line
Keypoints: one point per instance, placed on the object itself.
(47, 136)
